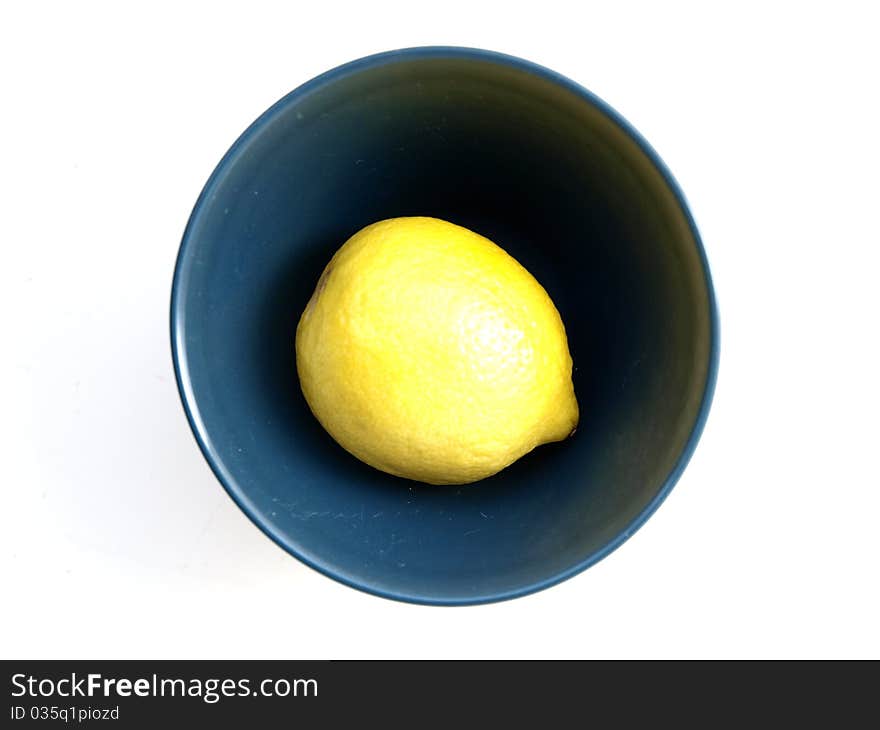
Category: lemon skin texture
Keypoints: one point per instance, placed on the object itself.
(430, 353)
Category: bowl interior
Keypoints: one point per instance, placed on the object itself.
(548, 173)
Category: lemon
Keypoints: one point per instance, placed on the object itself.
(430, 353)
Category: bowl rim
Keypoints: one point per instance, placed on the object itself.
(179, 286)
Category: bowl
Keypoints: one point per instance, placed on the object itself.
(549, 172)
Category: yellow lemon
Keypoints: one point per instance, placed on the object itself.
(430, 353)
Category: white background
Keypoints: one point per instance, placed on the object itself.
(118, 542)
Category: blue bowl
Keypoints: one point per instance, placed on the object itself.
(549, 172)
